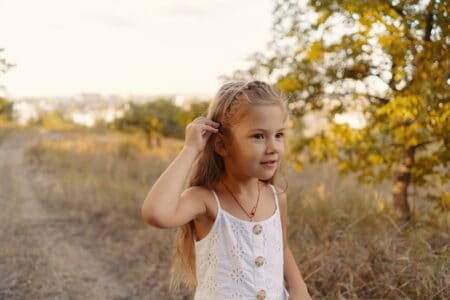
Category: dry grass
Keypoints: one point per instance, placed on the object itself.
(343, 235)
(102, 181)
(5, 129)
(350, 247)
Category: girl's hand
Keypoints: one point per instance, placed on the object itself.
(198, 133)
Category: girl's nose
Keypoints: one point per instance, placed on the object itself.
(270, 146)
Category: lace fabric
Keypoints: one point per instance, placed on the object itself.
(241, 259)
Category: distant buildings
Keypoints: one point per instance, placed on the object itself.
(86, 108)
(24, 111)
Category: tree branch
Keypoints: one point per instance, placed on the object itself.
(429, 22)
(395, 8)
(380, 99)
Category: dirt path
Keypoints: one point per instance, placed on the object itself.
(38, 257)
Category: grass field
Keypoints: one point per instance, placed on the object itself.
(343, 235)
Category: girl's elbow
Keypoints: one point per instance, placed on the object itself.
(148, 216)
(151, 218)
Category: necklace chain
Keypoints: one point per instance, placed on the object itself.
(253, 211)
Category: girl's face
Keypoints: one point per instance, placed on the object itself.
(256, 139)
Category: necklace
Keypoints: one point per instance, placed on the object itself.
(253, 211)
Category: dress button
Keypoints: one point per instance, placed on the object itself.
(257, 229)
(259, 261)
(261, 295)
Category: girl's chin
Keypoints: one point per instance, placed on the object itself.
(267, 174)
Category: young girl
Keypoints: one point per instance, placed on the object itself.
(232, 242)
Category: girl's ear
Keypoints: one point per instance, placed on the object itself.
(219, 146)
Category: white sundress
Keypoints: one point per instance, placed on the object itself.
(241, 259)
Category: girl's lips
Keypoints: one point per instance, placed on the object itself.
(269, 161)
(269, 164)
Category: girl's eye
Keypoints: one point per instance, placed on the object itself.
(260, 135)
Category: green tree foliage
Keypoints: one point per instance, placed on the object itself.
(167, 113)
(159, 118)
(4, 67)
(6, 107)
(54, 120)
(196, 109)
(140, 117)
(388, 60)
(6, 111)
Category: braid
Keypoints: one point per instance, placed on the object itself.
(239, 92)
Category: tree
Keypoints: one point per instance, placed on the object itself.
(139, 118)
(166, 112)
(53, 120)
(4, 67)
(6, 110)
(387, 60)
(196, 109)
(6, 107)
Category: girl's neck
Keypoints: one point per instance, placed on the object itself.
(247, 189)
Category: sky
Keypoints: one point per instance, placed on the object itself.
(64, 48)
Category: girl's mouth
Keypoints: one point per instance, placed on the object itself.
(269, 163)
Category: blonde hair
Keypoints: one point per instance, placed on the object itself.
(227, 108)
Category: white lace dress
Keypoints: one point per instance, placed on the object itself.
(241, 259)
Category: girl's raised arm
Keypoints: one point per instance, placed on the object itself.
(165, 206)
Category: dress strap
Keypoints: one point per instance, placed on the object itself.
(217, 199)
(275, 195)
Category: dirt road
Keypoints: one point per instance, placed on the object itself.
(40, 257)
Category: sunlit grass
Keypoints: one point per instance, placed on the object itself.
(344, 236)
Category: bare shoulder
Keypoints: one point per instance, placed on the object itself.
(195, 193)
(198, 194)
(205, 197)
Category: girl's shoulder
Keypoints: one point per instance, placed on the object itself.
(204, 194)
(200, 193)
(197, 191)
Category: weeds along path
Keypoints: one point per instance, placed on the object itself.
(38, 258)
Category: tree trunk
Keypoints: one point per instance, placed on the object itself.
(400, 185)
(158, 142)
(148, 135)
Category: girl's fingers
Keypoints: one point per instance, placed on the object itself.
(214, 124)
(209, 128)
(206, 121)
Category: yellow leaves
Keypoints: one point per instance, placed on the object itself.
(394, 44)
(154, 121)
(343, 166)
(412, 141)
(380, 206)
(446, 201)
(402, 108)
(289, 83)
(315, 51)
(290, 123)
(323, 17)
(385, 40)
(411, 119)
(375, 159)
(298, 167)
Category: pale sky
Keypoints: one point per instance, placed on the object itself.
(64, 48)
